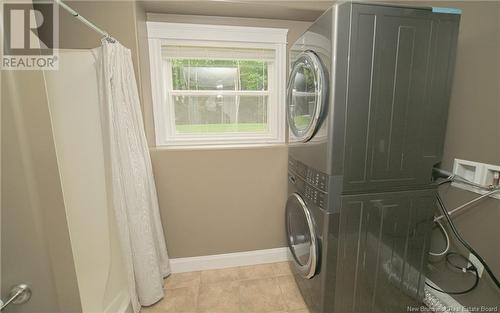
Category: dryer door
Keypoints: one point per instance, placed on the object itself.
(301, 236)
(307, 96)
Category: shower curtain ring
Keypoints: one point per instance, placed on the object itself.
(109, 39)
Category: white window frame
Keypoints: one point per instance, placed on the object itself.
(161, 33)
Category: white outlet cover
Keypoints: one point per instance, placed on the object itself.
(487, 177)
(469, 170)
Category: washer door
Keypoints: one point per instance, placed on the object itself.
(301, 236)
(306, 95)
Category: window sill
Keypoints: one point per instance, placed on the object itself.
(244, 146)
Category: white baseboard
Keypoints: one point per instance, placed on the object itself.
(217, 261)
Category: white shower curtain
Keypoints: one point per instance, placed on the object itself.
(131, 186)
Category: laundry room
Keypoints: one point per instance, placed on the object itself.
(247, 156)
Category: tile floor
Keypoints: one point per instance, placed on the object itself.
(264, 288)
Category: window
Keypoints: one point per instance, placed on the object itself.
(217, 84)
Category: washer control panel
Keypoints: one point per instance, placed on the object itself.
(311, 176)
(315, 196)
(312, 185)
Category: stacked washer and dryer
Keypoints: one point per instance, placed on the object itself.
(367, 99)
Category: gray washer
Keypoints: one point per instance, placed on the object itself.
(367, 101)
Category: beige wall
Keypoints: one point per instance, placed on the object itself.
(220, 201)
(115, 17)
(216, 201)
(145, 76)
(473, 133)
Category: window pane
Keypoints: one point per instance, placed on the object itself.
(203, 74)
(220, 114)
(253, 75)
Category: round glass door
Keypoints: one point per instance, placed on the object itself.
(301, 236)
(306, 95)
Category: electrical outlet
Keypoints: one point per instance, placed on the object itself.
(477, 264)
(489, 174)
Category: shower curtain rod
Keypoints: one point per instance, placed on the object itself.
(84, 20)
